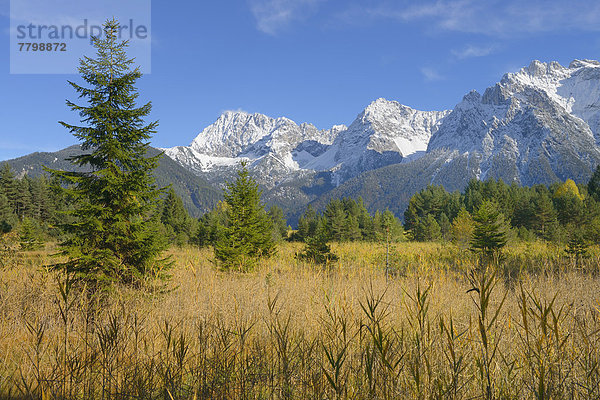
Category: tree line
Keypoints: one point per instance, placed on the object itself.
(555, 213)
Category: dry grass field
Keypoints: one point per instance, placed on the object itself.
(434, 326)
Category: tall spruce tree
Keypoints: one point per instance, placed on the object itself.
(248, 231)
(112, 238)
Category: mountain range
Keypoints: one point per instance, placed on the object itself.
(538, 125)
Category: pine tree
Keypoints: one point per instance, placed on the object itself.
(176, 219)
(8, 185)
(6, 213)
(248, 231)
(210, 224)
(545, 216)
(429, 229)
(280, 228)
(317, 250)
(30, 235)
(593, 185)
(577, 247)
(445, 226)
(336, 220)
(351, 229)
(490, 233)
(23, 201)
(112, 236)
(307, 224)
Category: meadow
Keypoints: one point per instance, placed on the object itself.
(432, 325)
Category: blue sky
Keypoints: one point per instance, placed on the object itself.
(318, 61)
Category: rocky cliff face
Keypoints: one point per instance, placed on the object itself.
(536, 126)
(278, 149)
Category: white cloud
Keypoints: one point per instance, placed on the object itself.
(274, 15)
(431, 74)
(471, 51)
(488, 17)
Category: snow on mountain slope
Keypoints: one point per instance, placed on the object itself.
(531, 127)
(256, 138)
(278, 148)
(384, 133)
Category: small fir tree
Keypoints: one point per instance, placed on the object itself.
(280, 228)
(490, 233)
(577, 247)
(176, 219)
(317, 250)
(30, 237)
(248, 231)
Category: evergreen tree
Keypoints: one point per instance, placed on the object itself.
(392, 225)
(445, 226)
(248, 231)
(490, 233)
(176, 219)
(593, 185)
(23, 201)
(307, 224)
(209, 225)
(30, 235)
(6, 213)
(8, 185)
(545, 216)
(351, 229)
(577, 247)
(280, 228)
(317, 250)
(336, 220)
(112, 236)
(428, 229)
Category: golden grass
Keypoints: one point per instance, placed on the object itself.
(290, 330)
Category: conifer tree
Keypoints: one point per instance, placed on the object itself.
(317, 250)
(209, 225)
(176, 219)
(545, 216)
(577, 247)
(490, 233)
(593, 185)
(30, 235)
(8, 184)
(112, 236)
(6, 214)
(248, 231)
(280, 228)
(336, 220)
(429, 229)
(307, 224)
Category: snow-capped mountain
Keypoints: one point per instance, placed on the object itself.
(539, 125)
(279, 149)
(385, 133)
(237, 136)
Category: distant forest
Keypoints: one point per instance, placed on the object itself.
(35, 208)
